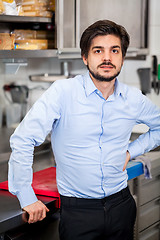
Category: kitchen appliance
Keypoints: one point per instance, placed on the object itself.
(17, 96)
(19, 93)
(155, 75)
(145, 79)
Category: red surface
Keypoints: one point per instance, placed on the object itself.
(44, 183)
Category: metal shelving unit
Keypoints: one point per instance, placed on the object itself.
(11, 18)
(28, 53)
(10, 54)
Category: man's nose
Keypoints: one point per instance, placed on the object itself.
(106, 56)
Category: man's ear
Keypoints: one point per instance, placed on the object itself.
(84, 60)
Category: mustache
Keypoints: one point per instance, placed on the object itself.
(107, 64)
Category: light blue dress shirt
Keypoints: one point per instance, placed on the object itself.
(89, 135)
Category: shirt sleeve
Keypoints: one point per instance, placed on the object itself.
(31, 132)
(148, 114)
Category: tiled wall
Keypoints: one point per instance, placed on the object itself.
(155, 28)
(154, 38)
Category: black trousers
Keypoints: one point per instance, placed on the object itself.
(110, 218)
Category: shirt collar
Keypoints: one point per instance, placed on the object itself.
(90, 87)
(119, 89)
(88, 84)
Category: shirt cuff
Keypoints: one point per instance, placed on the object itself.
(135, 149)
(26, 196)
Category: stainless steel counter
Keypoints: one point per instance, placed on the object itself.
(11, 215)
(10, 211)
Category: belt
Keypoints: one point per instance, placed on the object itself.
(92, 202)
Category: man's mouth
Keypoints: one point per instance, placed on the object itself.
(107, 65)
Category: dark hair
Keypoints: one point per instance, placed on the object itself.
(100, 28)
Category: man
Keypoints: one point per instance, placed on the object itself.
(91, 119)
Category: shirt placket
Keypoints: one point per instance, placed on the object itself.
(101, 141)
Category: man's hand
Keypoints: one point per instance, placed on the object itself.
(37, 211)
(128, 156)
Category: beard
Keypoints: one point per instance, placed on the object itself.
(101, 78)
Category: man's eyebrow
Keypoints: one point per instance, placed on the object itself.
(97, 47)
(116, 46)
(100, 47)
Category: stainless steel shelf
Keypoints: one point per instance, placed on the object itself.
(11, 18)
(28, 53)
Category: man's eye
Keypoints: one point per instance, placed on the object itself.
(98, 51)
(115, 51)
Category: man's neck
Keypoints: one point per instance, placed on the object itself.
(106, 88)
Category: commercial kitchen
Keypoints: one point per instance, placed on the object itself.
(39, 44)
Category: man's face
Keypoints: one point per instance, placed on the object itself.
(104, 59)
